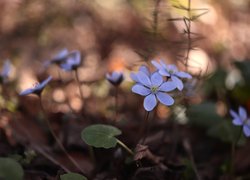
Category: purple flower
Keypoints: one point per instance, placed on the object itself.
(5, 71)
(37, 89)
(241, 119)
(115, 78)
(153, 87)
(172, 72)
(72, 61)
(59, 58)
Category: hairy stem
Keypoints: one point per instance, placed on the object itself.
(116, 104)
(79, 85)
(57, 140)
(125, 147)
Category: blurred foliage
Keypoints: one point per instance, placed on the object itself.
(72, 176)
(10, 169)
(204, 115)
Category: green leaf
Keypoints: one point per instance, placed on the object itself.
(227, 132)
(72, 176)
(244, 68)
(100, 136)
(204, 115)
(10, 169)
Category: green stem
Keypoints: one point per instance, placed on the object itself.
(57, 140)
(125, 147)
(92, 154)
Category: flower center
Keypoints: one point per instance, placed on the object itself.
(171, 72)
(154, 89)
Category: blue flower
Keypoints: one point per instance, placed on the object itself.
(115, 78)
(153, 87)
(72, 61)
(59, 58)
(172, 72)
(241, 119)
(37, 89)
(5, 71)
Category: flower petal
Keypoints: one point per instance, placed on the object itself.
(64, 52)
(6, 69)
(164, 72)
(167, 86)
(237, 122)
(165, 99)
(143, 79)
(182, 74)
(133, 76)
(43, 84)
(156, 79)
(141, 90)
(145, 70)
(27, 91)
(242, 113)
(172, 68)
(178, 82)
(150, 102)
(246, 130)
(156, 65)
(234, 114)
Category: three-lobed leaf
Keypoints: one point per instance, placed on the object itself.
(100, 135)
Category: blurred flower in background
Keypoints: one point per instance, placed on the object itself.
(5, 71)
(59, 58)
(37, 89)
(115, 77)
(72, 61)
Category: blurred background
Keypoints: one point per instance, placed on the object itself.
(121, 35)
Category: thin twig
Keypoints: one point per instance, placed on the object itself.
(49, 157)
(145, 127)
(188, 149)
(40, 150)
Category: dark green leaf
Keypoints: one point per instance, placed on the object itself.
(10, 169)
(203, 115)
(72, 176)
(100, 135)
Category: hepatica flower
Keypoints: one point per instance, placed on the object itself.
(59, 58)
(241, 119)
(72, 61)
(115, 78)
(172, 72)
(153, 87)
(5, 71)
(37, 89)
